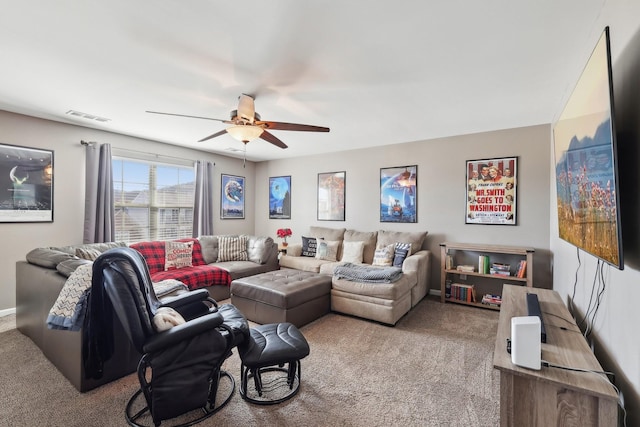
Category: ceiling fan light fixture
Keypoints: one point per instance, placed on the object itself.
(245, 133)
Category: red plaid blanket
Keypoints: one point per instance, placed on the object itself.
(199, 276)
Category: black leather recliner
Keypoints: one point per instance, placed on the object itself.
(180, 369)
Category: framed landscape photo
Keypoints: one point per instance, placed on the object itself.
(26, 184)
(280, 197)
(399, 194)
(331, 196)
(232, 197)
(492, 191)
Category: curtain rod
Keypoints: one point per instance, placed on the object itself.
(128, 150)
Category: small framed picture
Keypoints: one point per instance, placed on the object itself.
(331, 196)
(399, 194)
(492, 191)
(232, 197)
(26, 184)
(280, 197)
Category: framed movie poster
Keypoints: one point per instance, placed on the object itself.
(399, 194)
(232, 197)
(26, 184)
(331, 191)
(492, 191)
(280, 197)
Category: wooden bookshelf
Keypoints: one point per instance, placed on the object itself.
(468, 254)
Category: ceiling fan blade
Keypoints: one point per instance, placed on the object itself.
(193, 117)
(272, 139)
(222, 132)
(291, 126)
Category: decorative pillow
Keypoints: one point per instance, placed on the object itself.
(258, 248)
(87, 253)
(327, 250)
(177, 255)
(166, 318)
(309, 245)
(383, 257)
(352, 252)
(232, 248)
(402, 251)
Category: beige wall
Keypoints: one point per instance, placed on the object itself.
(441, 191)
(18, 239)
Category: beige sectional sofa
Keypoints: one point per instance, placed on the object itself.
(382, 302)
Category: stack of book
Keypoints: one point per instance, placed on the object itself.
(462, 292)
(466, 268)
(521, 271)
(500, 269)
(490, 299)
(483, 264)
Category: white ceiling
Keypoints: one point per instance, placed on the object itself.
(376, 73)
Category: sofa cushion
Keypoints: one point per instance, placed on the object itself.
(48, 258)
(401, 252)
(368, 237)
(383, 257)
(309, 246)
(327, 250)
(327, 233)
(101, 247)
(90, 254)
(68, 266)
(177, 255)
(258, 249)
(416, 239)
(352, 252)
(209, 246)
(232, 248)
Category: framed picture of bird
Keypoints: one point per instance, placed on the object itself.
(26, 184)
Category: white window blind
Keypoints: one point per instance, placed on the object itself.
(153, 201)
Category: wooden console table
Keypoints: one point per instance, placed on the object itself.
(551, 396)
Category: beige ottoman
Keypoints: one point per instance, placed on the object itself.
(293, 296)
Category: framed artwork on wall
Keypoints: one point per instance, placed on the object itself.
(399, 194)
(232, 197)
(492, 191)
(26, 184)
(331, 196)
(280, 197)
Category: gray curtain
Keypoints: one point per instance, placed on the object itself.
(99, 213)
(203, 205)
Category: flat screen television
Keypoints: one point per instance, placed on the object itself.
(586, 163)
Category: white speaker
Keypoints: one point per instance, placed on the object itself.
(526, 349)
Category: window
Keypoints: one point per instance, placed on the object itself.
(153, 201)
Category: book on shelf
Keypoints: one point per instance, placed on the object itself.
(500, 272)
(463, 292)
(498, 266)
(466, 268)
(483, 264)
(490, 299)
(449, 262)
(521, 271)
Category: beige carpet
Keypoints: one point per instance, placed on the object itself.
(434, 368)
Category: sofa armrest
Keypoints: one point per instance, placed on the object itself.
(294, 249)
(419, 264)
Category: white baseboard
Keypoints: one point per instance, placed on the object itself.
(7, 311)
(434, 292)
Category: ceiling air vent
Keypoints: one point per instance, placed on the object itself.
(87, 116)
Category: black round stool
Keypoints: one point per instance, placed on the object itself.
(263, 357)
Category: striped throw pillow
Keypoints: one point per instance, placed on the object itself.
(232, 248)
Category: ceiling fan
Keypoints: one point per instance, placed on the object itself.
(247, 126)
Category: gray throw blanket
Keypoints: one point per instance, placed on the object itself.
(367, 273)
(69, 310)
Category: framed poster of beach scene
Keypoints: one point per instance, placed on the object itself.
(331, 192)
(492, 191)
(232, 197)
(399, 194)
(26, 184)
(280, 197)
